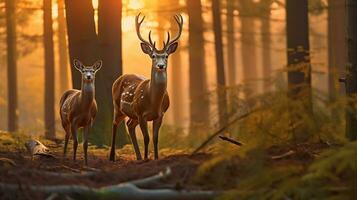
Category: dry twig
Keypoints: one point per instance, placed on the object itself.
(230, 140)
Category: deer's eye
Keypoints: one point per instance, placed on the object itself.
(167, 56)
(153, 56)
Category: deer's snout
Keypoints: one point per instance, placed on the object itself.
(161, 66)
(88, 77)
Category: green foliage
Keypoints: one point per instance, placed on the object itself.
(280, 121)
(13, 141)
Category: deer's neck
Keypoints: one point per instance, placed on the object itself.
(87, 94)
(158, 85)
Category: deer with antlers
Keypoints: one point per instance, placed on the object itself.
(78, 107)
(143, 100)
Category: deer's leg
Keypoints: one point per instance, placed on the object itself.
(117, 120)
(131, 127)
(144, 129)
(85, 143)
(68, 134)
(75, 141)
(156, 127)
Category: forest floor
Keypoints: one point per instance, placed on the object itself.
(25, 171)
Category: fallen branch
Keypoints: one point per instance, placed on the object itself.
(61, 166)
(129, 190)
(230, 140)
(7, 161)
(289, 153)
(145, 182)
(91, 169)
(36, 148)
(208, 140)
(58, 174)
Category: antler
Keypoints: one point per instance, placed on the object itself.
(179, 21)
(137, 25)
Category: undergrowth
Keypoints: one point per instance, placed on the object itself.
(323, 164)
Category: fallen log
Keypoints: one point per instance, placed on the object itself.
(7, 161)
(36, 148)
(57, 174)
(129, 190)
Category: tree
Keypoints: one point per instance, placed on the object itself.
(82, 38)
(11, 65)
(336, 42)
(49, 70)
(351, 79)
(249, 53)
(231, 62)
(299, 68)
(177, 76)
(110, 45)
(221, 80)
(199, 105)
(87, 46)
(299, 75)
(62, 47)
(265, 9)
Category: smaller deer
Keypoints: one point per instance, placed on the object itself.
(141, 99)
(78, 108)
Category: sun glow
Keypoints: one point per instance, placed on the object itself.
(135, 4)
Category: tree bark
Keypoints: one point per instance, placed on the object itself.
(11, 66)
(351, 79)
(62, 47)
(220, 75)
(337, 55)
(299, 75)
(266, 51)
(199, 105)
(82, 38)
(231, 53)
(49, 70)
(110, 41)
(249, 52)
(299, 67)
(177, 77)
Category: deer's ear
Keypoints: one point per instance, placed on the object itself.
(78, 65)
(97, 65)
(146, 48)
(172, 48)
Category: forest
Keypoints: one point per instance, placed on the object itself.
(178, 99)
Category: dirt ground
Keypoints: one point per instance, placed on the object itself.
(125, 168)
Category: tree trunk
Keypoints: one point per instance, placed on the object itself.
(199, 105)
(82, 38)
(231, 44)
(249, 52)
(299, 68)
(266, 51)
(110, 41)
(49, 70)
(337, 44)
(11, 65)
(176, 77)
(62, 47)
(220, 75)
(351, 79)
(299, 75)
